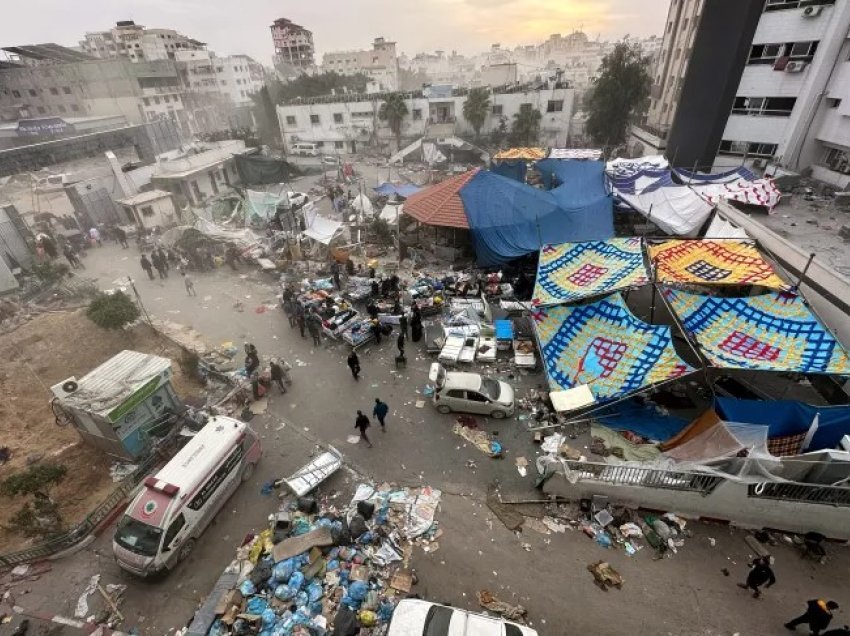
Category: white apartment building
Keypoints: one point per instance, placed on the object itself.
(236, 76)
(380, 63)
(792, 105)
(346, 123)
(137, 43)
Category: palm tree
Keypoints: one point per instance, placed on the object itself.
(393, 111)
(525, 129)
(476, 107)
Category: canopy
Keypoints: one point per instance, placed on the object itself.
(759, 192)
(712, 262)
(771, 332)
(572, 271)
(515, 170)
(642, 418)
(789, 417)
(259, 170)
(720, 441)
(509, 219)
(261, 204)
(440, 204)
(698, 178)
(582, 190)
(320, 228)
(602, 344)
(402, 190)
(362, 204)
(529, 154)
(624, 166)
(721, 227)
(641, 181)
(593, 154)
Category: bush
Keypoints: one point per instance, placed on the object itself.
(112, 311)
(50, 271)
(35, 480)
(39, 517)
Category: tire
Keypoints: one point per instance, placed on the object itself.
(186, 550)
(498, 415)
(444, 409)
(248, 472)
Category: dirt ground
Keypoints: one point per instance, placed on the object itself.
(34, 357)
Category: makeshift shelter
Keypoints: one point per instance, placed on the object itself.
(712, 262)
(589, 154)
(402, 190)
(441, 204)
(721, 227)
(259, 170)
(603, 345)
(260, 205)
(362, 204)
(527, 154)
(643, 418)
(573, 271)
(739, 185)
(690, 177)
(624, 166)
(319, 228)
(510, 219)
(515, 170)
(770, 332)
(785, 418)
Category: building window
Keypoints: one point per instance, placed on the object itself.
(146, 101)
(61, 108)
(771, 106)
(555, 106)
(314, 119)
(290, 120)
(54, 90)
(219, 69)
(801, 50)
(196, 191)
(16, 93)
(833, 102)
(358, 115)
(496, 109)
(32, 92)
(746, 149)
(837, 160)
(320, 144)
(156, 101)
(75, 108)
(146, 211)
(66, 90)
(417, 114)
(339, 145)
(337, 118)
(40, 110)
(779, 5)
(223, 82)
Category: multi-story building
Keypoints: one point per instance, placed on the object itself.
(201, 171)
(136, 43)
(380, 63)
(293, 45)
(753, 82)
(343, 123)
(235, 76)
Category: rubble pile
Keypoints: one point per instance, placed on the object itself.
(316, 568)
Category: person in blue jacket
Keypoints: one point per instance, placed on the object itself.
(380, 412)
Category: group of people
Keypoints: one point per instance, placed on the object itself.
(162, 260)
(362, 422)
(261, 379)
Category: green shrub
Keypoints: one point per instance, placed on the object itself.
(112, 311)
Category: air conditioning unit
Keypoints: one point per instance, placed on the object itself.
(812, 12)
(795, 67)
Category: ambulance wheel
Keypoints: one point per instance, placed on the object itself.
(248, 472)
(498, 415)
(444, 409)
(186, 550)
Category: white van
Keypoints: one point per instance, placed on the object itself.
(413, 617)
(305, 149)
(470, 393)
(166, 518)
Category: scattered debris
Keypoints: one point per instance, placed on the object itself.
(605, 576)
(488, 601)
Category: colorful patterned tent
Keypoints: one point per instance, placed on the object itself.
(603, 345)
(529, 154)
(572, 271)
(771, 332)
(712, 262)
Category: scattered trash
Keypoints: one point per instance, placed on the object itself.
(353, 439)
(420, 404)
(488, 601)
(119, 471)
(82, 608)
(605, 576)
(522, 466)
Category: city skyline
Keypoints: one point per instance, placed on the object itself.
(470, 30)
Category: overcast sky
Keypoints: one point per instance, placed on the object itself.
(242, 26)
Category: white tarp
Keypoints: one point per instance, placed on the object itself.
(592, 154)
(677, 210)
(319, 228)
(261, 204)
(362, 204)
(390, 213)
(431, 154)
(242, 236)
(721, 227)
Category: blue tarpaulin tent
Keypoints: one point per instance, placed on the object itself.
(789, 417)
(509, 219)
(404, 190)
(511, 169)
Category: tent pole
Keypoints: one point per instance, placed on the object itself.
(805, 270)
(654, 291)
(704, 361)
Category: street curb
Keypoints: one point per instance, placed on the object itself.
(85, 626)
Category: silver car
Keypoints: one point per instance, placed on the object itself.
(470, 393)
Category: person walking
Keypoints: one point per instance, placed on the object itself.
(189, 284)
(72, 257)
(252, 359)
(354, 364)
(163, 258)
(400, 344)
(402, 324)
(362, 422)
(817, 616)
(147, 266)
(94, 235)
(157, 263)
(380, 413)
(121, 235)
(299, 318)
(277, 375)
(760, 573)
(314, 326)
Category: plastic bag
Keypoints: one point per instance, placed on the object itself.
(283, 570)
(256, 605)
(314, 591)
(367, 618)
(268, 618)
(385, 611)
(332, 565)
(284, 592)
(358, 590)
(296, 581)
(301, 598)
(247, 588)
(218, 628)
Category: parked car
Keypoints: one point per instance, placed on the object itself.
(328, 160)
(297, 199)
(414, 617)
(470, 393)
(305, 149)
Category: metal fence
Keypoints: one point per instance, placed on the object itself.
(803, 493)
(644, 477)
(86, 526)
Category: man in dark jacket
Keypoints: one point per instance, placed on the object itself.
(817, 616)
(147, 266)
(354, 364)
(362, 423)
(760, 573)
(380, 412)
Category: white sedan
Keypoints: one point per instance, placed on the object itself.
(413, 617)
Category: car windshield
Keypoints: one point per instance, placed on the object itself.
(490, 388)
(138, 537)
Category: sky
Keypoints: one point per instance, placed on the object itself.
(242, 26)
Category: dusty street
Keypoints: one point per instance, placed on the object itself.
(685, 594)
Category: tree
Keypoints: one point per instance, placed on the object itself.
(268, 126)
(40, 517)
(112, 311)
(618, 96)
(476, 107)
(393, 111)
(525, 130)
(305, 86)
(500, 133)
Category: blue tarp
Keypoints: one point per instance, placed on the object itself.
(582, 188)
(701, 178)
(405, 190)
(509, 219)
(789, 417)
(511, 169)
(643, 419)
(642, 182)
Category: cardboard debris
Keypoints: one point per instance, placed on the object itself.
(402, 581)
(605, 576)
(259, 407)
(296, 545)
(507, 515)
(489, 602)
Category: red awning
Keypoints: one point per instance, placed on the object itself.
(440, 204)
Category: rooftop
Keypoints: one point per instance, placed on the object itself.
(144, 197)
(185, 162)
(49, 52)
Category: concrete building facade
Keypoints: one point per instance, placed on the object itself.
(380, 63)
(199, 172)
(293, 45)
(342, 124)
(137, 43)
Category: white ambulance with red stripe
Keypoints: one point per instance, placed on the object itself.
(176, 505)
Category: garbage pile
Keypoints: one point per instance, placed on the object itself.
(315, 570)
